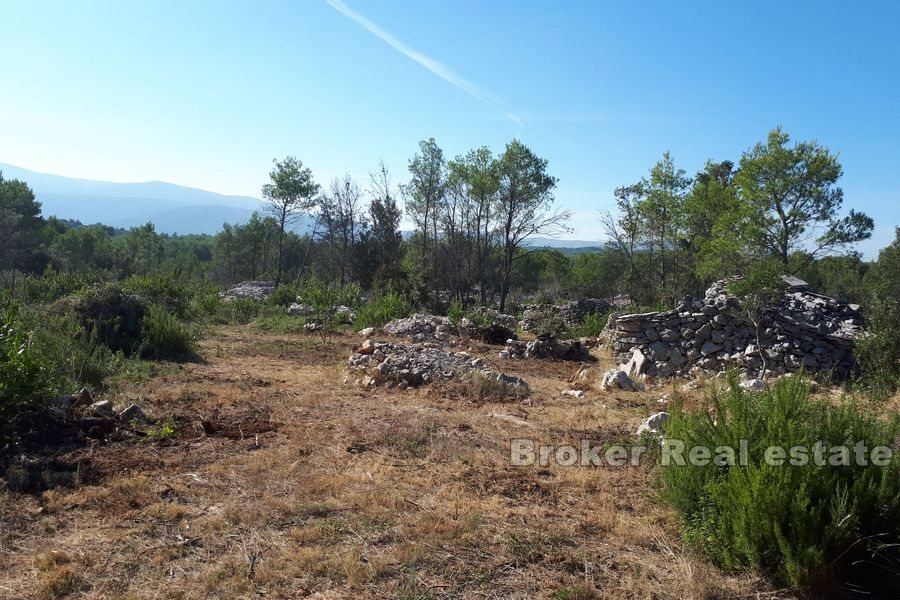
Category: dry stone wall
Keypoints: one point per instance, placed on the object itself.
(803, 331)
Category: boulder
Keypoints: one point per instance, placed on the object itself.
(654, 423)
(617, 379)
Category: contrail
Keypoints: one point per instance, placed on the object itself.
(439, 69)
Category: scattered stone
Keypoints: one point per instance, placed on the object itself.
(367, 347)
(573, 393)
(367, 332)
(654, 423)
(617, 379)
(133, 413)
(103, 408)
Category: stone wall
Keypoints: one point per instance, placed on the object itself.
(803, 331)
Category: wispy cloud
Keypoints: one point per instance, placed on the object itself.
(436, 67)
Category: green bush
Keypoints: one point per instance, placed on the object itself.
(23, 379)
(168, 291)
(242, 310)
(592, 325)
(52, 285)
(878, 354)
(113, 317)
(455, 312)
(803, 522)
(378, 311)
(163, 336)
(284, 295)
(207, 308)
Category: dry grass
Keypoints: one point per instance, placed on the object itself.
(310, 488)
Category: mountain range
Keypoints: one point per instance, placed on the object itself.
(171, 208)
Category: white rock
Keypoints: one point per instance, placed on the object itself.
(756, 385)
(573, 393)
(367, 332)
(654, 423)
(617, 379)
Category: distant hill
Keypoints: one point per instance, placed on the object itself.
(538, 242)
(172, 208)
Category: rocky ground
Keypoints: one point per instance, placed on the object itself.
(259, 473)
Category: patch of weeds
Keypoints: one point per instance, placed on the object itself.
(158, 432)
(280, 324)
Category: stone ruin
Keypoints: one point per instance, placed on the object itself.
(572, 314)
(804, 330)
(548, 346)
(412, 365)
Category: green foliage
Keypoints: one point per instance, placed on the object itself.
(242, 310)
(791, 192)
(592, 325)
(284, 295)
(22, 374)
(280, 323)
(799, 521)
(879, 353)
(455, 312)
(113, 317)
(52, 285)
(207, 307)
(161, 431)
(163, 336)
(168, 291)
(382, 309)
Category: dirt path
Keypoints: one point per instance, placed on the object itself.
(280, 481)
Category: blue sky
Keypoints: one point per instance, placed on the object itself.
(206, 93)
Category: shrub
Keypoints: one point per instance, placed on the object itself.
(163, 336)
(52, 285)
(800, 522)
(243, 310)
(378, 311)
(168, 291)
(455, 312)
(113, 317)
(23, 378)
(592, 325)
(206, 307)
(284, 295)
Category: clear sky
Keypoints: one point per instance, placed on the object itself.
(206, 93)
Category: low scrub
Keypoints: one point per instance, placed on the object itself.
(164, 337)
(592, 325)
(806, 522)
(22, 374)
(383, 309)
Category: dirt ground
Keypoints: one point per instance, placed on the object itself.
(273, 478)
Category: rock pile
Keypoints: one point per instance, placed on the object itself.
(483, 314)
(412, 365)
(419, 328)
(802, 331)
(571, 314)
(547, 346)
(254, 290)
